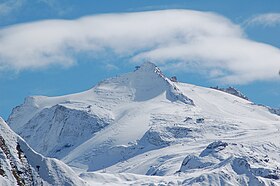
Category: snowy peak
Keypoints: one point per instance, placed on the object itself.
(147, 67)
(148, 79)
(56, 121)
(145, 83)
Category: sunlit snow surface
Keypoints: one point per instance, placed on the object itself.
(142, 128)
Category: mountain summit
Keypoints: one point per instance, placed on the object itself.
(142, 124)
(145, 83)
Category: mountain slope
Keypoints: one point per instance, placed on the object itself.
(142, 123)
(20, 165)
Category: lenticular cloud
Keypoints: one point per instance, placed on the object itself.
(180, 39)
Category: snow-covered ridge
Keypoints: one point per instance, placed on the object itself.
(233, 91)
(270, 109)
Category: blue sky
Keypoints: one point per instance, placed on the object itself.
(41, 53)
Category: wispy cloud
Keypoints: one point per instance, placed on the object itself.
(179, 39)
(268, 20)
(12, 9)
(57, 6)
(8, 6)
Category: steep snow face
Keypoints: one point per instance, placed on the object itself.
(142, 123)
(149, 82)
(20, 165)
(61, 129)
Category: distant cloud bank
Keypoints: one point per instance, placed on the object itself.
(177, 39)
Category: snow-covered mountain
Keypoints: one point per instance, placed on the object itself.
(142, 128)
(20, 165)
(63, 123)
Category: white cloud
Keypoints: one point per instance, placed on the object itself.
(269, 19)
(180, 39)
(111, 67)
